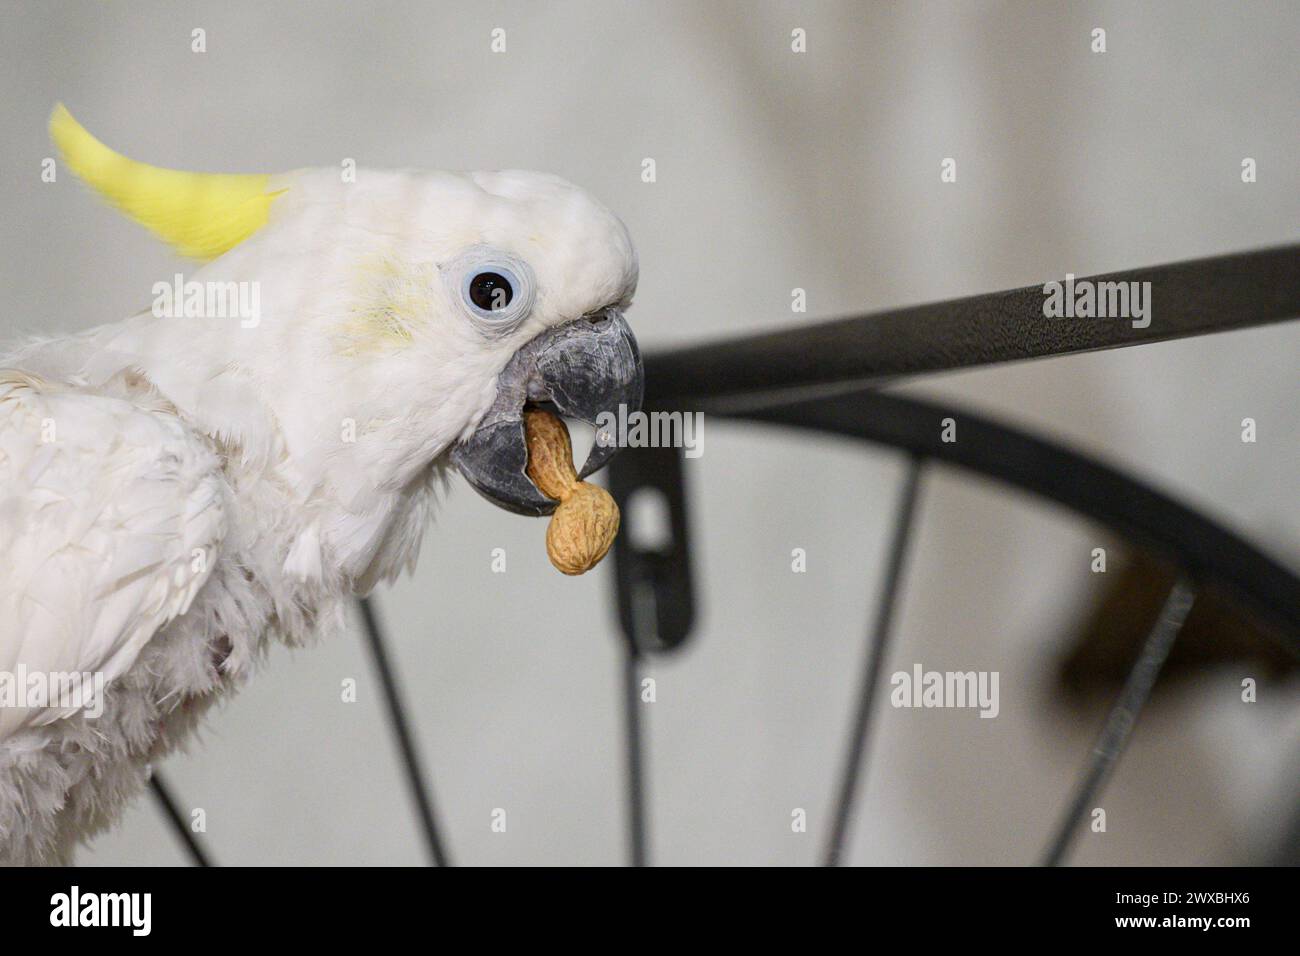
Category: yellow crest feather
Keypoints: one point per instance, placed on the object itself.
(201, 214)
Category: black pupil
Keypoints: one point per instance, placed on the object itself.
(490, 291)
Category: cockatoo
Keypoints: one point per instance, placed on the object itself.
(182, 488)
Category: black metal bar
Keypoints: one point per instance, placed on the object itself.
(636, 810)
(1209, 552)
(662, 565)
(1123, 715)
(415, 777)
(637, 640)
(876, 653)
(162, 793)
(1187, 298)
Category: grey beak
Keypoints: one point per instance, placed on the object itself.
(586, 367)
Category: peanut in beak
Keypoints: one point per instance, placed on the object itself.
(586, 521)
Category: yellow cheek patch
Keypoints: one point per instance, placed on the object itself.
(392, 298)
(201, 214)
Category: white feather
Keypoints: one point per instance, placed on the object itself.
(299, 456)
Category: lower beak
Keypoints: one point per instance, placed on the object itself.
(586, 368)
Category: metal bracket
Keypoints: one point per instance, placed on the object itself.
(656, 597)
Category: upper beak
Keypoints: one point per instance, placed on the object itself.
(586, 367)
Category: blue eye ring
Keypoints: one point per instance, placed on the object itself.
(496, 289)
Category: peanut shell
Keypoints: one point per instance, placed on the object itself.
(586, 521)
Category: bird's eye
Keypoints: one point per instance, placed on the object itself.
(491, 291)
(495, 288)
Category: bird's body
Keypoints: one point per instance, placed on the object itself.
(179, 491)
(130, 503)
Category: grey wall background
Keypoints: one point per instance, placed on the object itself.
(775, 171)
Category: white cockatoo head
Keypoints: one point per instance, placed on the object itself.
(388, 318)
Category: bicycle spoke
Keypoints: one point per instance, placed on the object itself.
(415, 777)
(636, 823)
(162, 793)
(1123, 715)
(644, 617)
(877, 650)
